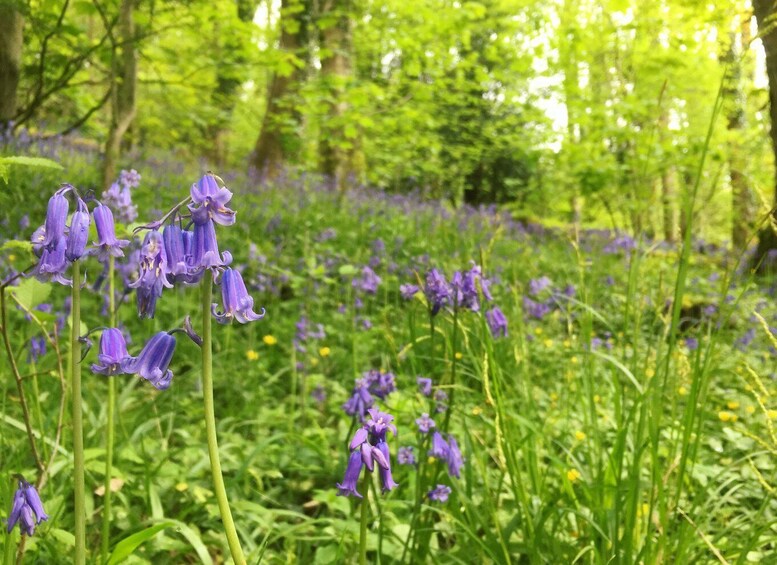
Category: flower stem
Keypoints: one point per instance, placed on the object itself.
(365, 509)
(78, 423)
(109, 427)
(210, 423)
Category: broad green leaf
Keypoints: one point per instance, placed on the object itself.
(129, 544)
(31, 292)
(31, 162)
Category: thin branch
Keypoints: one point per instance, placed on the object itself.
(19, 384)
(82, 120)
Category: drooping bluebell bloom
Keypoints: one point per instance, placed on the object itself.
(424, 423)
(209, 202)
(130, 179)
(38, 239)
(440, 493)
(113, 355)
(384, 472)
(56, 217)
(119, 199)
(373, 383)
(37, 349)
(153, 361)
(497, 322)
(437, 290)
(238, 304)
(466, 290)
(79, 232)
(177, 244)
(537, 310)
(439, 447)
(440, 397)
(368, 282)
(205, 248)
(351, 479)
(27, 509)
(153, 274)
(405, 455)
(53, 265)
(424, 385)
(408, 291)
(106, 245)
(536, 286)
(454, 458)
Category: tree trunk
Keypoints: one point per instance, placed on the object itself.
(668, 179)
(11, 28)
(568, 58)
(742, 202)
(764, 13)
(124, 75)
(280, 137)
(338, 148)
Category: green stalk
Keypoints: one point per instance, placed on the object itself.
(78, 423)
(210, 423)
(109, 425)
(363, 527)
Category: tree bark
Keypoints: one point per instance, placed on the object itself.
(280, 137)
(765, 15)
(124, 75)
(668, 179)
(742, 211)
(338, 150)
(11, 34)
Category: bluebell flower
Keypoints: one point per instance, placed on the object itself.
(437, 290)
(153, 361)
(130, 179)
(440, 493)
(177, 244)
(424, 423)
(408, 291)
(153, 274)
(454, 459)
(439, 447)
(38, 240)
(424, 385)
(27, 509)
(537, 310)
(536, 286)
(119, 199)
(79, 232)
(37, 349)
(352, 473)
(56, 217)
(405, 455)
(238, 304)
(113, 356)
(373, 383)
(106, 245)
(368, 282)
(497, 322)
(205, 249)
(209, 202)
(52, 264)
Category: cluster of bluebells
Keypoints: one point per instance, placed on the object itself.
(369, 449)
(542, 298)
(372, 385)
(444, 448)
(151, 364)
(27, 509)
(465, 291)
(57, 244)
(180, 255)
(119, 199)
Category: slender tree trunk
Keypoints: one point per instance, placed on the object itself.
(734, 92)
(280, 138)
(124, 75)
(568, 56)
(765, 15)
(338, 148)
(668, 179)
(11, 28)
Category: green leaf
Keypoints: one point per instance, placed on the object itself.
(31, 292)
(62, 536)
(129, 544)
(30, 162)
(347, 270)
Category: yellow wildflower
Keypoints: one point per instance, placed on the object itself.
(580, 436)
(324, 352)
(573, 475)
(269, 340)
(252, 355)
